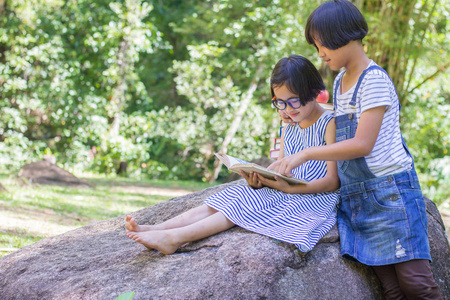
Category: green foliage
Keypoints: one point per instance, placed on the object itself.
(125, 296)
(214, 101)
(159, 83)
(420, 28)
(426, 129)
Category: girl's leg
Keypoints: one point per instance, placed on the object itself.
(416, 280)
(191, 216)
(168, 241)
(408, 280)
(389, 282)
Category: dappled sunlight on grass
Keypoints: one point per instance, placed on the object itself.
(18, 238)
(95, 204)
(120, 181)
(30, 213)
(13, 239)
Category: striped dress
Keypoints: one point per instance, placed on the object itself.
(300, 219)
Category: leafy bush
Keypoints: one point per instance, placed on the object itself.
(426, 129)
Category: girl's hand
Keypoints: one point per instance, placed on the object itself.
(278, 184)
(285, 165)
(252, 179)
(284, 116)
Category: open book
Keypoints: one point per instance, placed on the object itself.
(235, 165)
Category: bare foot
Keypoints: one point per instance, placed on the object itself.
(159, 240)
(131, 225)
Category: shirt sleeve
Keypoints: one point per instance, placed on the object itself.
(376, 91)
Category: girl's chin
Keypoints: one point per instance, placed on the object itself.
(334, 68)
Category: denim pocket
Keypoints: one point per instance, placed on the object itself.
(387, 198)
(419, 202)
(342, 134)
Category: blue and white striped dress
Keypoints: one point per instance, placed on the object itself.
(300, 219)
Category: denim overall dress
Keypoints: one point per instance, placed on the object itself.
(381, 220)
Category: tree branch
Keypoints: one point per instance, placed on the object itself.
(421, 41)
(236, 122)
(439, 70)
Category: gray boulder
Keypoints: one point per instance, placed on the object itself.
(100, 262)
(47, 173)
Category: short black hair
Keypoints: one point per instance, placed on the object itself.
(300, 77)
(335, 24)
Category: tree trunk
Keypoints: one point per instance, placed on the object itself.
(390, 54)
(236, 122)
(421, 39)
(118, 97)
(395, 54)
(2, 5)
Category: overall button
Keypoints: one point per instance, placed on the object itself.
(350, 116)
(390, 179)
(394, 197)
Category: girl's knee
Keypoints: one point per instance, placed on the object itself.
(416, 280)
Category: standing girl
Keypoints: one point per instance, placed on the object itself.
(297, 214)
(382, 218)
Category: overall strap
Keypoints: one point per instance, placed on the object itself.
(355, 92)
(361, 77)
(338, 82)
(353, 101)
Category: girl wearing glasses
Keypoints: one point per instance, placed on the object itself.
(297, 214)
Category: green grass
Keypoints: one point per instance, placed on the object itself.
(17, 238)
(30, 213)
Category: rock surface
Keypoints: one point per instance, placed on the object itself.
(99, 262)
(46, 172)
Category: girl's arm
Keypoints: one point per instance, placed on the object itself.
(325, 184)
(359, 146)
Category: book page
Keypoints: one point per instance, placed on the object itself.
(270, 174)
(235, 165)
(236, 161)
(229, 161)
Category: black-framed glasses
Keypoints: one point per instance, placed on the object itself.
(282, 104)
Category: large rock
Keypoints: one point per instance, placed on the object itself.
(99, 262)
(46, 172)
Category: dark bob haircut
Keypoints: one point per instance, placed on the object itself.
(334, 24)
(300, 77)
